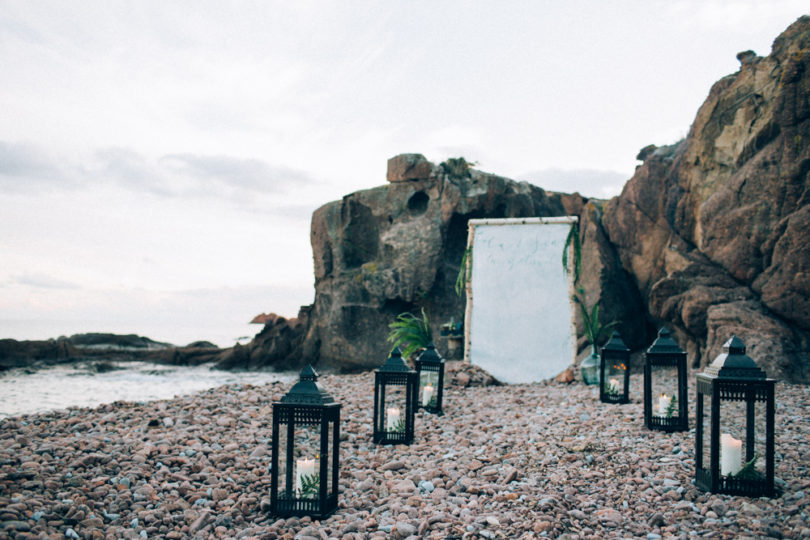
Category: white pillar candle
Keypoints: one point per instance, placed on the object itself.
(303, 467)
(613, 384)
(663, 404)
(427, 394)
(392, 419)
(730, 455)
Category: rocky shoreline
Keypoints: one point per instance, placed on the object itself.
(104, 348)
(521, 461)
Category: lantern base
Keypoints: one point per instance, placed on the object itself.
(388, 437)
(676, 423)
(616, 399)
(296, 507)
(728, 485)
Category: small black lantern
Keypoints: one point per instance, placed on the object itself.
(665, 369)
(306, 435)
(430, 374)
(394, 397)
(614, 371)
(741, 404)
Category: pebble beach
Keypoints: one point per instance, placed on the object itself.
(542, 460)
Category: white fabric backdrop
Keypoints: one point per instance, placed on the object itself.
(520, 327)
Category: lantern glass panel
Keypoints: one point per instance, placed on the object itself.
(428, 388)
(393, 402)
(703, 421)
(664, 390)
(283, 492)
(736, 450)
(330, 440)
(306, 464)
(614, 377)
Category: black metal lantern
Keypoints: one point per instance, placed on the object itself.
(741, 404)
(430, 374)
(665, 385)
(614, 371)
(306, 435)
(394, 396)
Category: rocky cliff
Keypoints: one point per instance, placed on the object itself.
(716, 228)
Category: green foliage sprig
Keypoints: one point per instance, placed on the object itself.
(457, 167)
(409, 332)
(671, 408)
(611, 390)
(593, 328)
(461, 279)
(310, 486)
(749, 470)
(399, 427)
(573, 239)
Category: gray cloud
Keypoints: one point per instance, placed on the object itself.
(195, 175)
(42, 281)
(249, 174)
(129, 169)
(588, 182)
(24, 166)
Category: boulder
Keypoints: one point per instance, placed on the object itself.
(407, 167)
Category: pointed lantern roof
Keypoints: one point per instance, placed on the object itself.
(430, 355)
(733, 363)
(664, 344)
(394, 363)
(307, 391)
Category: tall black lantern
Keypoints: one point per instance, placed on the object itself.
(430, 372)
(306, 434)
(394, 397)
(665, 385)
(741, 404)
(614, 371)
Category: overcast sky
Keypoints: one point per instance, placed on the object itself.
(160, 161)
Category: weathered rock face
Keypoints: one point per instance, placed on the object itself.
(715, 230)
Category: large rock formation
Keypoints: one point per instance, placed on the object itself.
(397, 248)
(716, 229)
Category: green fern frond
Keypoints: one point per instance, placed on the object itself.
(410, 333)
(310, 486)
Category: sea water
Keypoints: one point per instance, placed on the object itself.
(79, 385)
